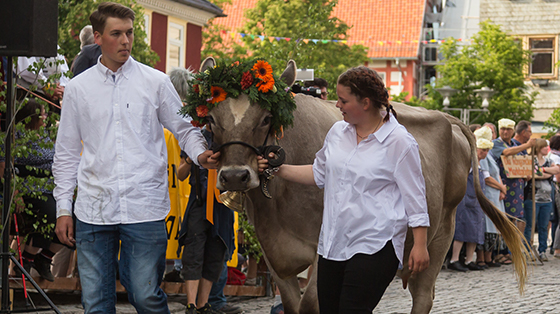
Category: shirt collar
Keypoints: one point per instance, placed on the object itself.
(383, 131)
(125, 69)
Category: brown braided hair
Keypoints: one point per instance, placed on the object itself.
(366, 83)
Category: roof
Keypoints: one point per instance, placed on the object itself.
(390, 29)
(522, 17)
(203, 5)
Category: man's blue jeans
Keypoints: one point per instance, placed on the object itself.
(141, 265)
(217, 299)
(541, 225)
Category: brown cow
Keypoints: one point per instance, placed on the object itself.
(288, 225)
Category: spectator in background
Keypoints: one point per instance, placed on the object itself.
(543, 197)
(86, 39)
(523, 133)
(495, 191)
(555, 157)
(505, 145)
(469, 219)
(89, 52)
(320, 83)
(492, 128)
(474, 127)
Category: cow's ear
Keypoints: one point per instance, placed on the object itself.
(207, 63)
(289, 74)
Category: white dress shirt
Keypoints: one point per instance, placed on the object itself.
(373, 190)
(122, 172)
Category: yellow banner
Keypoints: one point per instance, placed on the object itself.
(178, 195)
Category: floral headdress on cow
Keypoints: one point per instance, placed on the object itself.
(254, 78)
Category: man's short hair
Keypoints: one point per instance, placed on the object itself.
(522, 126)
(555, 142)
(99, 17)
(319, 82)
(86, 36)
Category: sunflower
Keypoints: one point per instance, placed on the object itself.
(263, 70)
(218, 94)
(266, 86)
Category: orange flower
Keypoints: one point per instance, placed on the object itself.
(218, 94)
(202, 111)
(266, 86)
(235, 63)
(196, 90)
(263, 70)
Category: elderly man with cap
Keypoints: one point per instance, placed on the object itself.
(469, 220)
(506, 146)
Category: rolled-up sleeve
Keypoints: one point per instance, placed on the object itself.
(190, 138)
(409, 179)
(67, 154)
(320, 162)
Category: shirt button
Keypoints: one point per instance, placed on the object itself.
(117, 122)
(116, 105)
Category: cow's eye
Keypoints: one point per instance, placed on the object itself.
(266, 121)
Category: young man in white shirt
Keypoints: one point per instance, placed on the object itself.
(111, 142)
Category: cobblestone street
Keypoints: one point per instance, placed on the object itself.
(491, 291)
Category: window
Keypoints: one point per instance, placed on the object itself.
(176, 42)
(543, 56)
(147, 28)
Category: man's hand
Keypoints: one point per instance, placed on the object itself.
(65, 230)
(419, 259)
(209, 159)
(531, 142)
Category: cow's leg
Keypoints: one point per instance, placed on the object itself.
(309, 302)
(290, 293)
(422, 285)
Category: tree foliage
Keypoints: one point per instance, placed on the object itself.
(493, 60)
(73, 15)
(298, 20)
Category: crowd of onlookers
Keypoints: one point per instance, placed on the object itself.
(511, 194)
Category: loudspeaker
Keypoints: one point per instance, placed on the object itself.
(28, 28)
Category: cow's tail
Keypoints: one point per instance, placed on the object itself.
(514, 238)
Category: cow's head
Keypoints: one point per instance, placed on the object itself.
(248, 117)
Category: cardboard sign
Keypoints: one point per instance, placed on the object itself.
(517, 166)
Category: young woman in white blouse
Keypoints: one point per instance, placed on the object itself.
(370, 169)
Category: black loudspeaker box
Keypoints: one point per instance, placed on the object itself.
(28, 28)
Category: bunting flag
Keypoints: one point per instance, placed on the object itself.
(370, 42)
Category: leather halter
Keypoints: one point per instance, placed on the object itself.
(264, 151)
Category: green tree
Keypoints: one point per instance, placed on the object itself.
(297, 20)
(73, 15)
(494, 60)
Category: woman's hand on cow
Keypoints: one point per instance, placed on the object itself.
(419, 258)
(263, 163)
(209, 159)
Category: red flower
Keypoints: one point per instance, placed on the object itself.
(196, 89)
(197, 124)
(246, 80)
(202, 111)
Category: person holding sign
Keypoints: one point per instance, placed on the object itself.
(543, 197)
(505, 146)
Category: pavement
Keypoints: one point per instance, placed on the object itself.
(490, 291)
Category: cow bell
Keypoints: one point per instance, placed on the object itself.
(234, 200)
